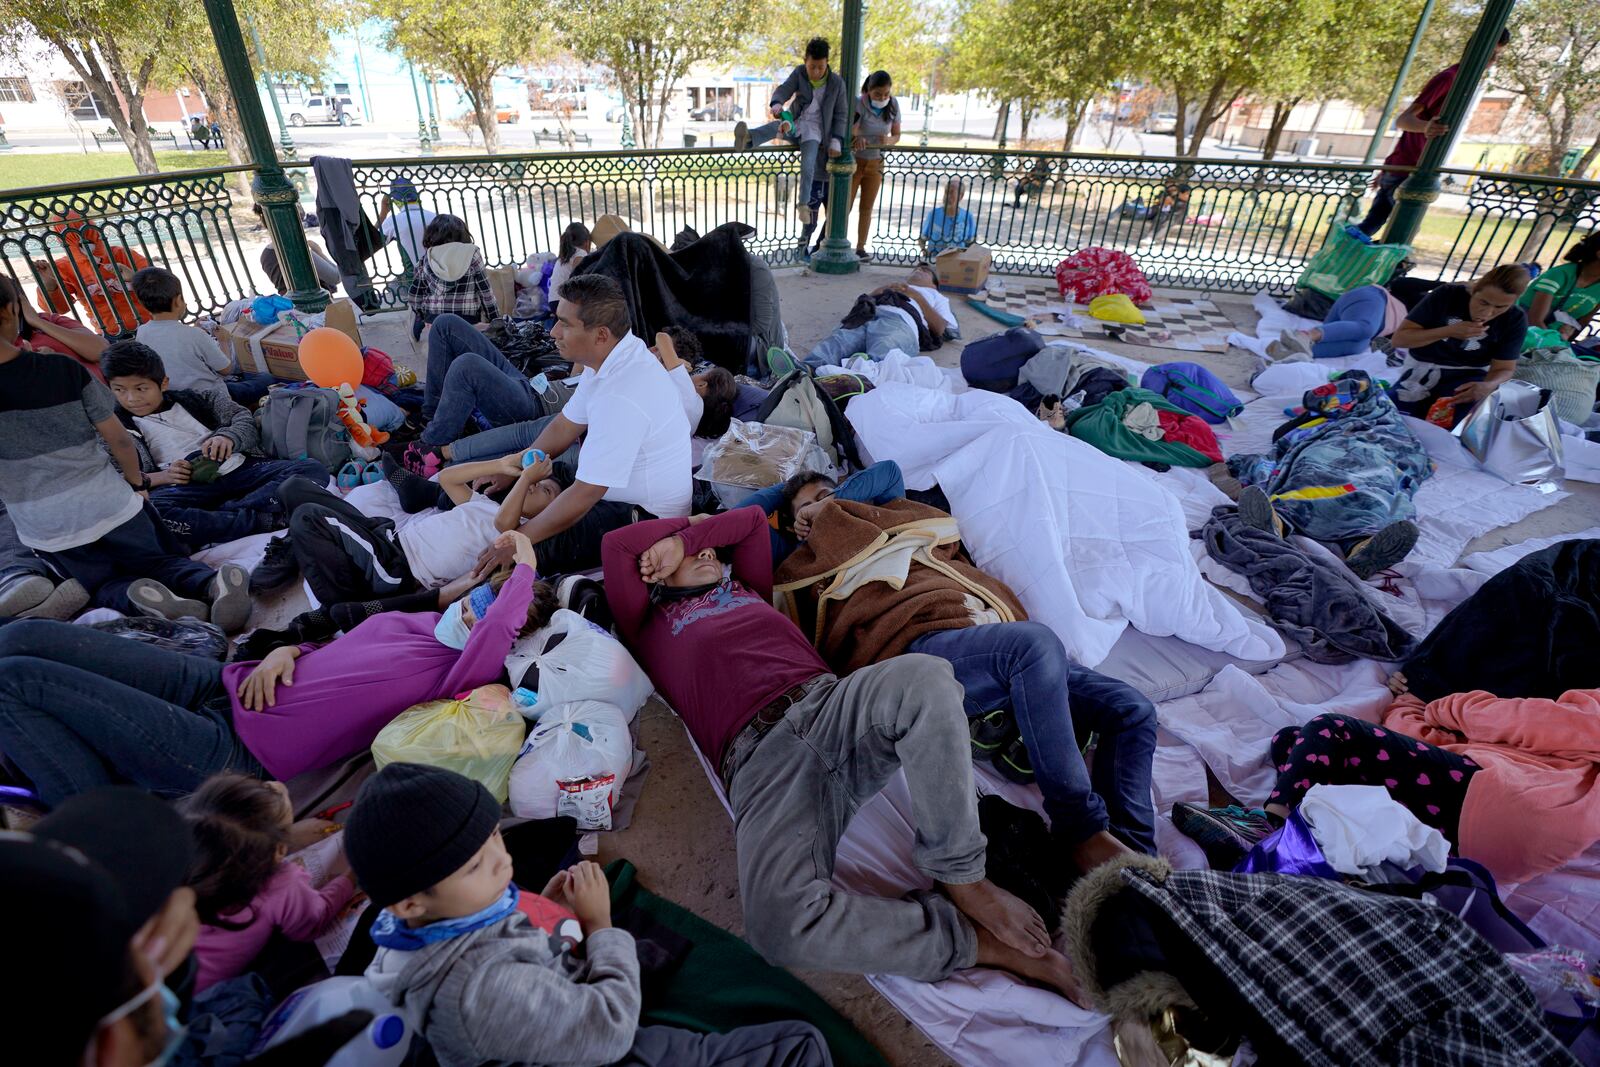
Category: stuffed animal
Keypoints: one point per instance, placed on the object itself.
(362, 437)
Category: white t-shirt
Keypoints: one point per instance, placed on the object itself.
(405, 226)
(171, 434)
(561, 272)
(637, 444)
(693, 405)
(937, 301)
(443, 547)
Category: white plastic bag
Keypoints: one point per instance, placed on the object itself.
(574, 763)
(588, 664)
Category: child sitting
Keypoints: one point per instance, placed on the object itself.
(192, 357)
(209, 482)
(244, 891)
(576, 242)
(488, 968)
(451, 277)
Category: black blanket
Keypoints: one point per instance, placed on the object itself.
(1533, 630)
(705, 288)
(1309, 599)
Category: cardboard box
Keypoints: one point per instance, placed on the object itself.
(962, 270)
(606, 227)
(503, 283)
(276, 348)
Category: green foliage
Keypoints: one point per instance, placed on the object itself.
(1553, 62)
(467, 39)
(650, 45)
(899, 36)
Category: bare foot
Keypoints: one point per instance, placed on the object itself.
(1050, 970)
(1397, 684)
(1101, 848)
(1006, 917)
(1280, 810)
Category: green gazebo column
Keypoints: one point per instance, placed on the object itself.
(279, 200)
(836, 254)
(1422, 187)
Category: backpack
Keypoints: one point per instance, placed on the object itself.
(994, 362)
(797, 401)
(1194, 389)
(299, 423)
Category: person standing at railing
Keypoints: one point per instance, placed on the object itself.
(877, 127)
(813, 98)
(949, 225)
(93, 274)
(1418, 124)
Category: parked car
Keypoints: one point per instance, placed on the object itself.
(319, 111)
(615, 112)
(507, 114)
(717, 111)
(1162, 122)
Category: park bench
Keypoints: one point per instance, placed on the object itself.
(113, 137)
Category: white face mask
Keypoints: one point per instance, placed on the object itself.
(169, 1013)
(452, 630)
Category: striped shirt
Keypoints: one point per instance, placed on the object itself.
(59, 485)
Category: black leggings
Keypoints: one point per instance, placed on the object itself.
(344, 555)
(1343, 750)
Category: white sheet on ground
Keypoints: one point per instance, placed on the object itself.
(1273, 321)
(1089, 543)
(897, 366)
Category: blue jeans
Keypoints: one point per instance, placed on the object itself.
(876, 338)
(1382, 204)
(1023, 666)
(230, 507)
(809, 151)
(504, 440)
(139, 548)
(247, 390)
(80, 708)
(466, 371)
(1353, 321)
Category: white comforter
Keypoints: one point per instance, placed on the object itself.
(1089, 543)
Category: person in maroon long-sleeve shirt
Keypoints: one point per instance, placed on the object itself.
(800, 750)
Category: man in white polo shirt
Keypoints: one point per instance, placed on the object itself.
(636, 446)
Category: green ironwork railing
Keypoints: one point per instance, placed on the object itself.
(1207, 224)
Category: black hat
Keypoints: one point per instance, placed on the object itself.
(136, 838)
(413, 826)
(67, 949)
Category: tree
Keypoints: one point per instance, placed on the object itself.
(897, 36)
(651, 44)
(1553, 63)
(114, 46)
(469, 40)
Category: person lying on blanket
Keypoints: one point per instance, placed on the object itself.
(798, 749)
(1462, 342)
(912, 316)
(1509, 782)
(873, 581)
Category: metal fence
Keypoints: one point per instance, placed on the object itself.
(1207, 224)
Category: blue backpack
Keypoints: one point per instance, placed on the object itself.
(1193, 388)
(994, 362)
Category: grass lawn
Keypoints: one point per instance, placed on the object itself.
(21, 171)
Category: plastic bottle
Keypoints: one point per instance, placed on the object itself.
(383, 1043)
(525, 700)
(532, 456)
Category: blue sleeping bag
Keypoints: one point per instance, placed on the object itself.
(1194, 389)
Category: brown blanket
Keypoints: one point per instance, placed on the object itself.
(872, 579)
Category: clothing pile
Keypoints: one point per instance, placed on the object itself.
(529, 347)
(1096, 271)
(1347, 467)
(1138, 425)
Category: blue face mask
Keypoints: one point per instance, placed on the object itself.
(451, 630)
(169, 1014)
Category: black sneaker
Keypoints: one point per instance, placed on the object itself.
(587, 597)
(991, 733)
(1225, 835)
(277, 568)
(1014, 764)
(1256, 511)
(1383, 549)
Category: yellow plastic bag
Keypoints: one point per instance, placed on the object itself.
(1116, 307)
(478, 735)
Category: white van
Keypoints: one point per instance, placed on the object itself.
(320, 111)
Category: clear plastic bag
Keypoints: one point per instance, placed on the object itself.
(478, 735)
(755, 455)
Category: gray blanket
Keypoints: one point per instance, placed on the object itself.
(1311, 600)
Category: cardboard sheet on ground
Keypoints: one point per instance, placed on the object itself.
(1183, 324)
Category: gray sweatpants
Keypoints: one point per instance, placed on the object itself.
(794, 793)
(785, 1044)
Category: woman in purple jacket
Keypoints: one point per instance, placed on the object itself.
(80, 708)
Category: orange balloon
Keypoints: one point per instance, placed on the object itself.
(330, 358)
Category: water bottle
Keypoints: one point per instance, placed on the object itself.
(524, 700)
(384, 1042)
(532, 456)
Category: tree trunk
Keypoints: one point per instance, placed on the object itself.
(1002, 120)
(1075, 112)
(1587, 159)
(219, 102)
(1027, 119)
(1281, 110)
(1181, 109)
(125, 112)
(1209, 112)
(479, 87)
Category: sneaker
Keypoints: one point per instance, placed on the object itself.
(779, 362)
(230, 598)
(863, 255)
(21, 591)
(1257, 512)
(371, 472)
(150, 597)
(1383, 549)
(349, 475)
(1296, 341)
(992, 732)
(1281, 353)
(1014, 763)
(1225, 835)
(63, 603)
(741, 137)
(277, 568)
(421, 459)
(1051, 414)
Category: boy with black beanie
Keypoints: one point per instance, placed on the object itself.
(487, 968)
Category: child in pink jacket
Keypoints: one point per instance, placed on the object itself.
(244, 890)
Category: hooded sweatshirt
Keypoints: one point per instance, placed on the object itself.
(451, 278)
(508, 994)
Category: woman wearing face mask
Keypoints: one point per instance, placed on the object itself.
(1461, 342)
(877, 126)
(80, 708)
